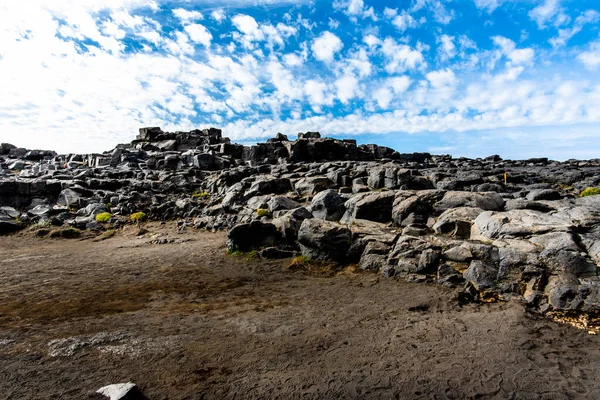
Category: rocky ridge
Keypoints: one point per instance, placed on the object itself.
(501, 229)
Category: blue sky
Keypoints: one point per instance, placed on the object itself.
(519, 78)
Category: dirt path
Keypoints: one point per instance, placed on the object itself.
(184, 321)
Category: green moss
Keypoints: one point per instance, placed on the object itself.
(263, 212)
(67, 233)
(201, 195)
(40, 225)
(103, 217)
(591, 191)
(138, 217)
(246, 255)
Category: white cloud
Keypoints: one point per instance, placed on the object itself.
(403, 21)
(251, 32)
(401, 57)
(326, 46)
(389, 89)
(591, 58)
(371, 40)
(347, 87)
(488, 5)
(383, 96)
(548, 11)
(287, 86)
(441, 78)
(317, 93)
(564, 35)
(390, 12)
(447, 49)
(247, 83)
(355, 8)
(359, 62)
(440, 13)
(516, 56)
(399, 84)
(249, 28)
(186, 16)
(292, 60)
(199, 34)
(218, 15)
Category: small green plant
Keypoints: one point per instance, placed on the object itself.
(300, 260)
(263, 212)
(591, 191)
(106, 235)
(108, 205)
(247, 255)
(40, 225)
(67, 233)
(201, 195)
(103, 217)
(138, 217)
(303, 263)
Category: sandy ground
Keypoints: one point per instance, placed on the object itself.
(185, 321)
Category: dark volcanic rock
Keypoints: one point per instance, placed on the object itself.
(324, 240)
(252, 236)
(421, 216)
(328, 205)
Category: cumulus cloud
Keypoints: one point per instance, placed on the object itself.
(326, 46)
(488, 5)
(549, 11)
(404, 20)
(347, 87)
(318, 94)
(591, 57)
(85, 75)
(248, 26)
(516, 56)
(199, 34)
(438, 8)
(187, 16)
(441, 78)
(355, 8)
(447, 49)
(401, 57)
(564, 35)
(218, 15)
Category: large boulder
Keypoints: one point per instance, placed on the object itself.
(277, 203)
(582, 212)
(485, 201)
(416, 206)
(290, 222)
(269, 186)
(324, 240)
(312, 185)
(591, 241)
(69, 198)
(370, 206)
(481, 274)
(5, 148)
(253, 236)
(457, 221)
(328, 205)
(374, 256)
(543, 194)
(515, 224)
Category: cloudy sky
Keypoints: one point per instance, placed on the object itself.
(519, 78)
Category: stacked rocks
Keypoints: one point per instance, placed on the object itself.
(502, 229)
